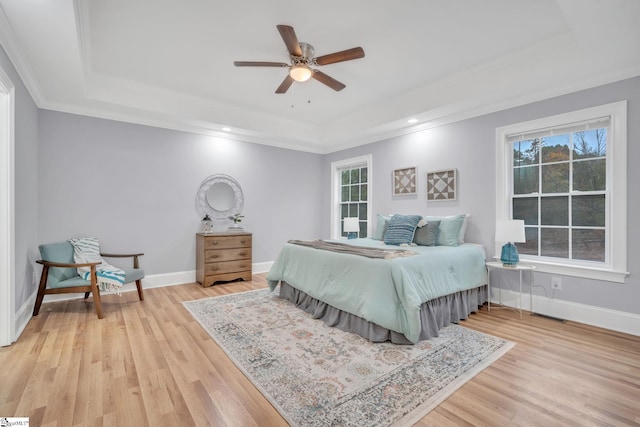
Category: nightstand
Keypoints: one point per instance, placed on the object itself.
(520, 268)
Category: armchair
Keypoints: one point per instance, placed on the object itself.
(60, 274)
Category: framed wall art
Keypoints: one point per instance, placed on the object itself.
(405, 181)
(442, 185)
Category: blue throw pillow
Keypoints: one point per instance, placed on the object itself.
(427, 235)
(400, 229)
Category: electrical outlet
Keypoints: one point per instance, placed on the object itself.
(556, 283)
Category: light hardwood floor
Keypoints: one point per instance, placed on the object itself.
(150, 363)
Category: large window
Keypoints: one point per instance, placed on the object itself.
(565, 176)
(351, 184)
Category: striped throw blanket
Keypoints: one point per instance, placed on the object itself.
(346, 248)
(87, 249)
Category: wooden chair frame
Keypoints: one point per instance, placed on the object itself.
(90, 288)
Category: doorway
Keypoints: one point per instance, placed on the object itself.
(7, 298)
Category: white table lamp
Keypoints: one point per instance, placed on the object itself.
(351, 227)
(510, 231)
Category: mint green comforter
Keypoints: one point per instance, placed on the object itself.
(386, 292)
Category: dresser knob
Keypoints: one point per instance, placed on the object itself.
(215, 242)
(243, 241)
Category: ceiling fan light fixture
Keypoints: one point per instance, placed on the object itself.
(300, 73)
(302, 58)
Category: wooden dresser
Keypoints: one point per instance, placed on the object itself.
(223, 257)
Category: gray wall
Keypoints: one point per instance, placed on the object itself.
(469, 146)
(134, 187)
(25, 184)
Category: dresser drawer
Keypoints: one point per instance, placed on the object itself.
(227, 267)
(216, 255)
(224, 242)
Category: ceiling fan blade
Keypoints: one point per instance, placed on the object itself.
(259, 64)
(290, 40)
(329, 81)
(285, 85)
(344, 55)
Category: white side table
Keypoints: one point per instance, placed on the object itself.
(494, 265)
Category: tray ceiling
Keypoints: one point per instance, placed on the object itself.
(170, 64)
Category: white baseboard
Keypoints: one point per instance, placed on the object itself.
(620, 321)
(262, 267)
(149, 282)
(165, 279)
(596, 316)
(24, 314)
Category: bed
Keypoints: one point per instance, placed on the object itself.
(404, 299)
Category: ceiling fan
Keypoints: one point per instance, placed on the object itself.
(302, 59)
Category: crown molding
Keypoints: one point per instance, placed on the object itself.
(9, 43)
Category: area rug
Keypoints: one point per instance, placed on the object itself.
(316, 375)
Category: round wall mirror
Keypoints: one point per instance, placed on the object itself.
(220, 197)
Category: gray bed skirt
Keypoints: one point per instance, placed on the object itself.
(434, 314)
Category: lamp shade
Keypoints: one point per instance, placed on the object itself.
(300, 73)
(351, 225)
(510, 231)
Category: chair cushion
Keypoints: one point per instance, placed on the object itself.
(58, 252)
(133, 274)
(130, 276)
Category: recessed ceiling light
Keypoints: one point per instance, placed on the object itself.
(412, 121)
(226, 129)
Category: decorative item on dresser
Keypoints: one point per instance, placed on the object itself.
(206, 225)
(223, 257)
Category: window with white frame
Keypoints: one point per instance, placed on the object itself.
(351, 187)
(565, 176)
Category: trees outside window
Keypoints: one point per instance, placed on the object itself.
(559, 190)
(351, 188)
(565, 176)
(354, 196)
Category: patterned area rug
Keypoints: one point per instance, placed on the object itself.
(315, 375)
